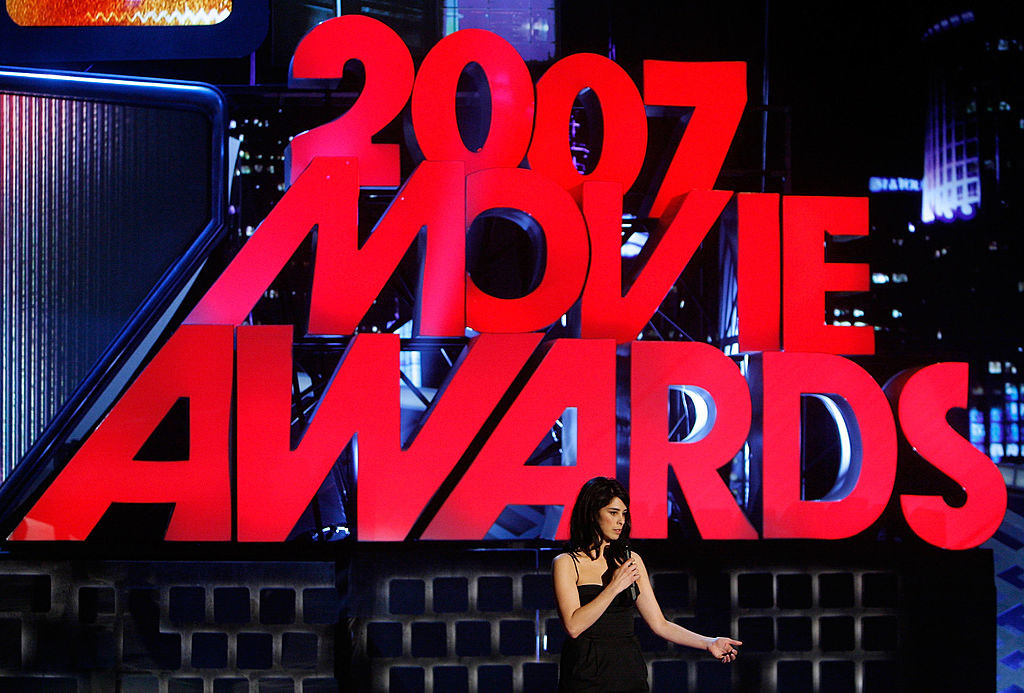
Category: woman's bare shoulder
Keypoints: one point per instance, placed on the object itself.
(568, 558)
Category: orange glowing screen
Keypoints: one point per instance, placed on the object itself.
(118, 12)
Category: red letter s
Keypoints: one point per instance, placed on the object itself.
(923, 397)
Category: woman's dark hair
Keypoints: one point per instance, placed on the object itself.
(584, 530)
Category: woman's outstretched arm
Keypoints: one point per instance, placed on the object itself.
(723, 649)
(576, 618)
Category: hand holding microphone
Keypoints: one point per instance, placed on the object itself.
(634, 589)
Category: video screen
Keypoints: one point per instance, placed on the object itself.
(119, 12)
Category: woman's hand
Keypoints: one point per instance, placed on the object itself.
(724, 649)
(625, 575)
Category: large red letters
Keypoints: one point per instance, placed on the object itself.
(806, 276)
(622, 112)
(322, 54)
(506, 389)
(759, 275)
(195, 363)
(573, 373)
(605, 311)
(325, 196)
(394, 483)
(565, 237)
(717, 92)
(435, 126)
(860, 495)
(923, 397)
(275, 482)
(657, 366)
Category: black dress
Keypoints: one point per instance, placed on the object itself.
(606, 656)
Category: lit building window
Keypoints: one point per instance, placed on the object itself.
(995, 451)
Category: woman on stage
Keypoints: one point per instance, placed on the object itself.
(599, 586)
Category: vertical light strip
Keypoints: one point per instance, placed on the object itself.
(61, 164)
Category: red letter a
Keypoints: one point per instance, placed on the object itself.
(573, 373)
(195, 363)
(276, 482)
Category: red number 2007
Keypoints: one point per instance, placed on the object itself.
(522, 124)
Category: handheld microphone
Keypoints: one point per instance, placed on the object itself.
(634, 589)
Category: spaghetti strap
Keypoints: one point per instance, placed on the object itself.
(576, 567)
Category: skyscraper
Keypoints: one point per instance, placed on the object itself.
(968, 252)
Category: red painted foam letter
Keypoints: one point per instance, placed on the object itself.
(806, 275)
(395, 483)
(624, 131)
(275, 481)
(758, 272)
(573, 373)
(560, 225)
(195, 363)
(717, 92)
(868, 445)
(511, 93)
(606, 312)
(322, 54)
(326, 196)
(924, 397)
(721, 428)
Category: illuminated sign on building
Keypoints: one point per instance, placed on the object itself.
(878, 184)
(507, 385)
